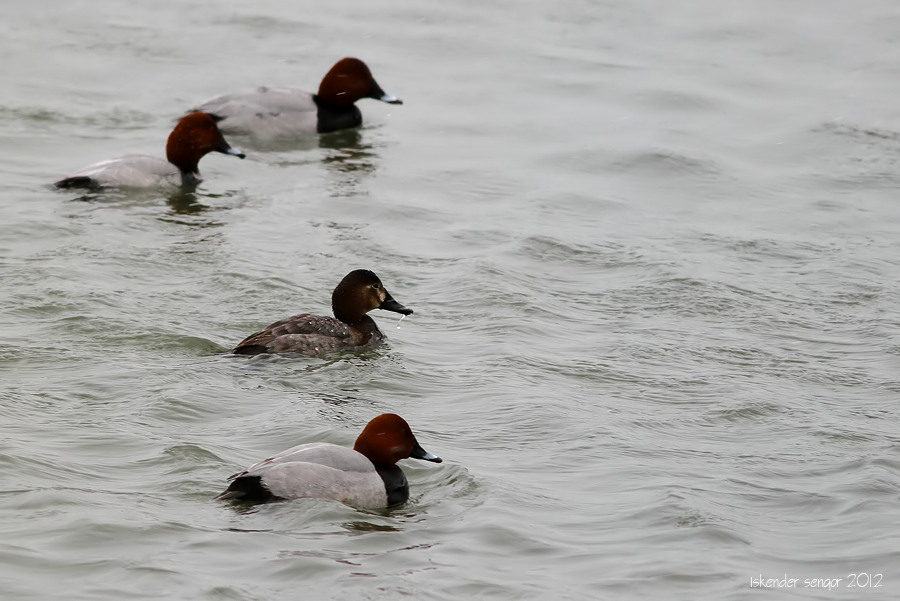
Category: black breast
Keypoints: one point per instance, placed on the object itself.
(395, 484)
(333, 118)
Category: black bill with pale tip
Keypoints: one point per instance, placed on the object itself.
(390, 99)
(225, 148)
(389, 304)
(379, 94)
(419, 453)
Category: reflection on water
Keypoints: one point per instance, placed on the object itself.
(359, 526)
(184, 202)
(93, 194)
(349, 159)
(186, 208)
(349, 152)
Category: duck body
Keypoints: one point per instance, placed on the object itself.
(270, 112)
(351, 328)
(310, 334)
(317, 470)
(194, 136)
(132, 170)
(365, 476)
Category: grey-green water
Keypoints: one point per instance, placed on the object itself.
(652, 250)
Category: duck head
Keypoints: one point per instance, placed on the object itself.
(350, 80)
(387, 439)
(195, 135)
(360, 292)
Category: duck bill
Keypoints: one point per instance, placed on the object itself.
(235, 152)
(389, 304)
(379, 94)
(419, 453)
(390, 99)
(225, 148)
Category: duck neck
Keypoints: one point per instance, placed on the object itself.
(332, 117)
(189, 179)
(395, 483)
(365, 325)
(185, 157)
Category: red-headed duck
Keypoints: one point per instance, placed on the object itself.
(195, 135)
(273, 112)
(358, 293)
(364, 476)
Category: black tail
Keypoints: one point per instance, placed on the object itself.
(77, 181)
(249, 489)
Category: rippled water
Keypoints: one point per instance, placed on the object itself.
(651, 249)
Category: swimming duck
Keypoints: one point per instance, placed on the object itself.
(268, 112)
(195, 135)
(358, 293)
(365, 476)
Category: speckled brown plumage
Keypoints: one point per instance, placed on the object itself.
(308, 334)
(358, 293)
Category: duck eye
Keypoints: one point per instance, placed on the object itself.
(377, 285)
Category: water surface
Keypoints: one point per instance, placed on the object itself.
(651, 249)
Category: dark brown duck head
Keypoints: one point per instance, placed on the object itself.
(360, 292)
